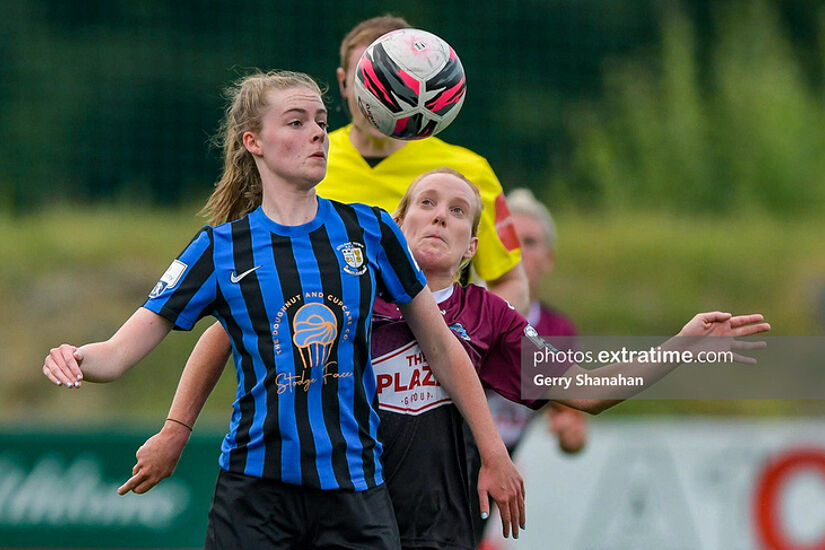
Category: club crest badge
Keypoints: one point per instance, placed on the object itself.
(353, 254)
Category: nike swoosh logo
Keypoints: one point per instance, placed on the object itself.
(237, 278)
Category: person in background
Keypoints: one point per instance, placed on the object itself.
(537, 234)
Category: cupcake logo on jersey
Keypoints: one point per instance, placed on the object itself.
(314, 329)
(353, 254)
(313, 332)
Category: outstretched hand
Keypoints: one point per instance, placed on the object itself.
(62, 366)
(718, 331)
(156, 459)
(500, 480)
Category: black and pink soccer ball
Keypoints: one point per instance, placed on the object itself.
(410, 84)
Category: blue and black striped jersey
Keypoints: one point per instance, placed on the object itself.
(297, 304)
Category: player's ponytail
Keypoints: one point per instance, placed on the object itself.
(239, 190)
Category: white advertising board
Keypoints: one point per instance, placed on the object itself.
(715, 484)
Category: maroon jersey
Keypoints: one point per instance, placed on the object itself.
(425, 456)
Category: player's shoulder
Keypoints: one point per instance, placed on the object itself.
(226, 228)
(555, 322)
(479, 297)
(357, 209)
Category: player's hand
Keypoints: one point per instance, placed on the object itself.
(156, 459)
(500, 479)
(569, 425)
(62, 366)
(718, 331)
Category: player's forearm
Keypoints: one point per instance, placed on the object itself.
(200, 375)
(109, 360)
(650, 373)
(513, 287)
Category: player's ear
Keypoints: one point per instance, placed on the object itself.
(471, 248)
(250, 141)
(342, 82)
(549, 262)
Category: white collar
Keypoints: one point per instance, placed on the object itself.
(443, 294)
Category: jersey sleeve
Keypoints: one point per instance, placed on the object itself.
(498, 246)
(501, 368)
(187, 290)
(399, 277)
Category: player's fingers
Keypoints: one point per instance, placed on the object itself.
(146, 485)
(744, 359)
(483, 503)
(521, 509)
(504, 512)
(53, 364)
(747, 330)
(744, 344)
(71, 363)
(739, 320)
(515, 517)
(715, 316)
(130, 484)
(48, 372)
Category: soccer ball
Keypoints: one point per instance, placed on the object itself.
(409, 84)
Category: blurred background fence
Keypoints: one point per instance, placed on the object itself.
(692, 104)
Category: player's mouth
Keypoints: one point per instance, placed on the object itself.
(318, 155)
(435, 236)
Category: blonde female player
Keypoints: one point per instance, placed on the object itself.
(425, 457)
(292, 280)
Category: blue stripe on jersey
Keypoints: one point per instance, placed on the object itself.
(290, 461)
(241, 316)
(367, 220)
(351, 286)
(311, 284)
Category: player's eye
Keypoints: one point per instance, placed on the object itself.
(458, 210)
(322, 124)
(295, 123)
(427, 202)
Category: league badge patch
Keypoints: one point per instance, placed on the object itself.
(169, 279)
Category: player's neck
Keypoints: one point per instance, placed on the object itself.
(290, 206)
(371, 146)
(438, 281)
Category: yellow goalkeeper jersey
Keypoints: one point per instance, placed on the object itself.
(351, 179)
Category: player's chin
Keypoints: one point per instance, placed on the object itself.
(317, 172)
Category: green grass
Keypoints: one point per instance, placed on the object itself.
(74, 275)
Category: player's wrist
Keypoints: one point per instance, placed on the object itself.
(177, 428)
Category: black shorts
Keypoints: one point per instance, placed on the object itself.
(262, 514)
